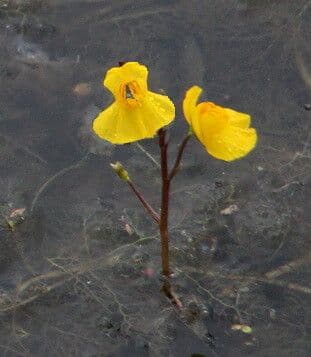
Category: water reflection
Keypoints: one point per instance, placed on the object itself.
(72, 277)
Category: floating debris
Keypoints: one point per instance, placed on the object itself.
(28, 52)
(16, 217)
(127, 226)
(82, 89)
(229, 210)
(244, 328)
(149, 273)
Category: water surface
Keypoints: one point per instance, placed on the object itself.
(72, 279)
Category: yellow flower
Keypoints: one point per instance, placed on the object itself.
(224, 132)
(136, 113)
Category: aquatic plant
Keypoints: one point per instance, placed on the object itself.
(137, 113)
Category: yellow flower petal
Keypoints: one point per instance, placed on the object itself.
(231, 143)
(137, 113)
(106, 122)
(211, 119)
(238, 119)
(120, 125)
(127, 73)
(225, 133)
(190, 101)
(162, 106)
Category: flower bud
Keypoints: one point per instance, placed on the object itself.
(120, 171)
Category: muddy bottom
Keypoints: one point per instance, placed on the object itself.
(79, 259)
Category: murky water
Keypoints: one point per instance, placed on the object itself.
(73, 280)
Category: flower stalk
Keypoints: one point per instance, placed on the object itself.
(147, 206)
(164, 204)
(179, 156)
(123, 175)
(162, 219)
(165, 197)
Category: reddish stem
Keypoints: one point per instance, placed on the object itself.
(147, 206)
(179, 156)
(164, 205)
